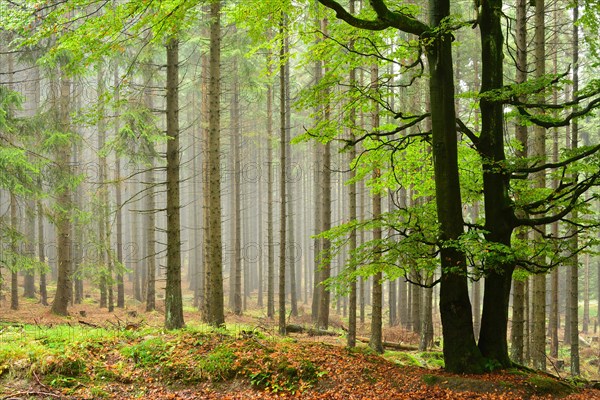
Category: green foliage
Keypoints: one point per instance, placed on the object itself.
(217, 365)
(430, 380)
(590, 20)
(150, 351)
(104, 32)
(9, 100)
(285, 377)
(138, 135)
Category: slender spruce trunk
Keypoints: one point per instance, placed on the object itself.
(41, 248)
(519, 299)
(215, 314)
(538, 149)
(173, 296)
(270, 205)
(376, 339)
(574, 241)
(282, 171)
(14, 273)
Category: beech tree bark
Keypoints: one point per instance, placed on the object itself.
(499, 217)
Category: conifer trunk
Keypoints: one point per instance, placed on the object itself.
(215, 314)
(282, 177)
(518, 313)
(173, 296)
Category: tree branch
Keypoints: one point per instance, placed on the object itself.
(416, 120)
(464, 129)
(580, 189)
(385, 18)
(564, 163)
(558, 123)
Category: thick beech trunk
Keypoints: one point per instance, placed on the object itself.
(493, 341)
(460, 351)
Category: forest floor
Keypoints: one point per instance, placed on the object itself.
(127, 355)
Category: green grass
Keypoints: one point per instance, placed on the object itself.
(427, 359)
(546, 386)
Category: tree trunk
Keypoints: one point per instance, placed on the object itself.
(79, 231)
(214, 272)
(393, 302)
(29, 278)
(14, 273)
(270, 205)
(518, 314)
(289, 181)
(149, 222)
(197, 148)
(205, 179)
(173, 297)
(236, 218)
(426, 341)
(538, 334)
(586, 295)
(415, 303)
(376, 340)
(63, 216)
(325, 208)
(118, 205)
(41, 249)
(291, 200)
(282, 174)
(493, 341)
(135, 241)
(460, 351)
(574, 244)
(318, 202)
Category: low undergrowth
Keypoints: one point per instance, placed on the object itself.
(69, 357)
(87, 362)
